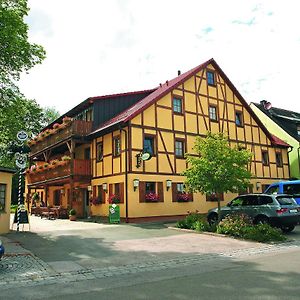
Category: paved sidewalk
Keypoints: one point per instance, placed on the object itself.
(104, 250)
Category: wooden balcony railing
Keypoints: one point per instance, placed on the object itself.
(76, 128)
(81, 167)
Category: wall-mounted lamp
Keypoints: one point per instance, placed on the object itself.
(62, 191)
(136, 183)
(169, 183)
(89, 188)
(258, 185)
(104, 187)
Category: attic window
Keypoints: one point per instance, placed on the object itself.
(210, 78)
(239, 118)
(177, 105)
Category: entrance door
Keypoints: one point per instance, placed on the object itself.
(86, 203)
(56, 197)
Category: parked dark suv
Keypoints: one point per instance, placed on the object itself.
(277, 210)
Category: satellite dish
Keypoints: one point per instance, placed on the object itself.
(146, 156)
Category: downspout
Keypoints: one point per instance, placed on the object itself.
(298, 160)
(126, 175)
(289, 151)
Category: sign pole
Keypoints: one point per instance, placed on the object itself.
(21, 159)
(19, 198)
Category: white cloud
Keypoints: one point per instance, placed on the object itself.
(98, 47)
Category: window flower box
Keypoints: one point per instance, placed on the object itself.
(183, 197)
(151, 197)
(114, 199)
(95, 200)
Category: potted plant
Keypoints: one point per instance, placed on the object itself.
(114, 199)
(72, 214)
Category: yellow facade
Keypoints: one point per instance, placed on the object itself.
(165, 126)
(5, 182)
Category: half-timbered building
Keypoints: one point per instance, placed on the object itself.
(132, 146)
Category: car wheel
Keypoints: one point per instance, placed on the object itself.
(262, 220)
(212, 219)
(287, 228)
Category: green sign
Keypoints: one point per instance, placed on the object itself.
(114, 213)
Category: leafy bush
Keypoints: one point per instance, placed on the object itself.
(193, 220)
(263, 233)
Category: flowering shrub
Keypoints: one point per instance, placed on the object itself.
(114, 199)
(95, 200)
(234, 225)
(152, 197)
(183, 197)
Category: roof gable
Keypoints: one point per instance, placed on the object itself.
(168, 86)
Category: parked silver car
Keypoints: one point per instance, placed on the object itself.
(277, 210)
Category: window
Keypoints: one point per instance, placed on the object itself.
(177, 105)
(291, 189)
(298, 130)
(179, 148)
(150, 187)
(278, 159)
(265, 158)
(213, 113)
(99, 151)
(2, 196)
(100, 193)
(180, 187)
(239, 118)
(149, 144)
(117, 146)
(210, 77)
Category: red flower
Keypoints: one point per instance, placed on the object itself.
(152, 197)
(114, 199)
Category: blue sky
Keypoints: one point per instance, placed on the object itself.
(98, 47)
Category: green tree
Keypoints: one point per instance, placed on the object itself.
(218, 168)
(16, 53)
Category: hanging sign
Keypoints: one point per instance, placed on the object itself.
(22, 136)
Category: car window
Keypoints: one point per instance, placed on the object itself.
(263, 200)
(250, 200)
(286, 200)
(273, 190)
(291, 189)
(237, 201)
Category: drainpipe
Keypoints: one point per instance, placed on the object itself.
(126, 175)
(289, 151)
(298, 160)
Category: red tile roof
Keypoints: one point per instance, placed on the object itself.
(168, 86)
(158, 93)
(277, 141)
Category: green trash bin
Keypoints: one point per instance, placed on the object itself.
(114, 214)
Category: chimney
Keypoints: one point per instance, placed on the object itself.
(179, 72)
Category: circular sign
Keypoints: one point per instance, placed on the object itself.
(22, 136)
(20, 160)
(146, 156)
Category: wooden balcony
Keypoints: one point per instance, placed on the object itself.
(81, 170)
(77, 128)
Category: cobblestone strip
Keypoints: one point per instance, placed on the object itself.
(41, 273)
